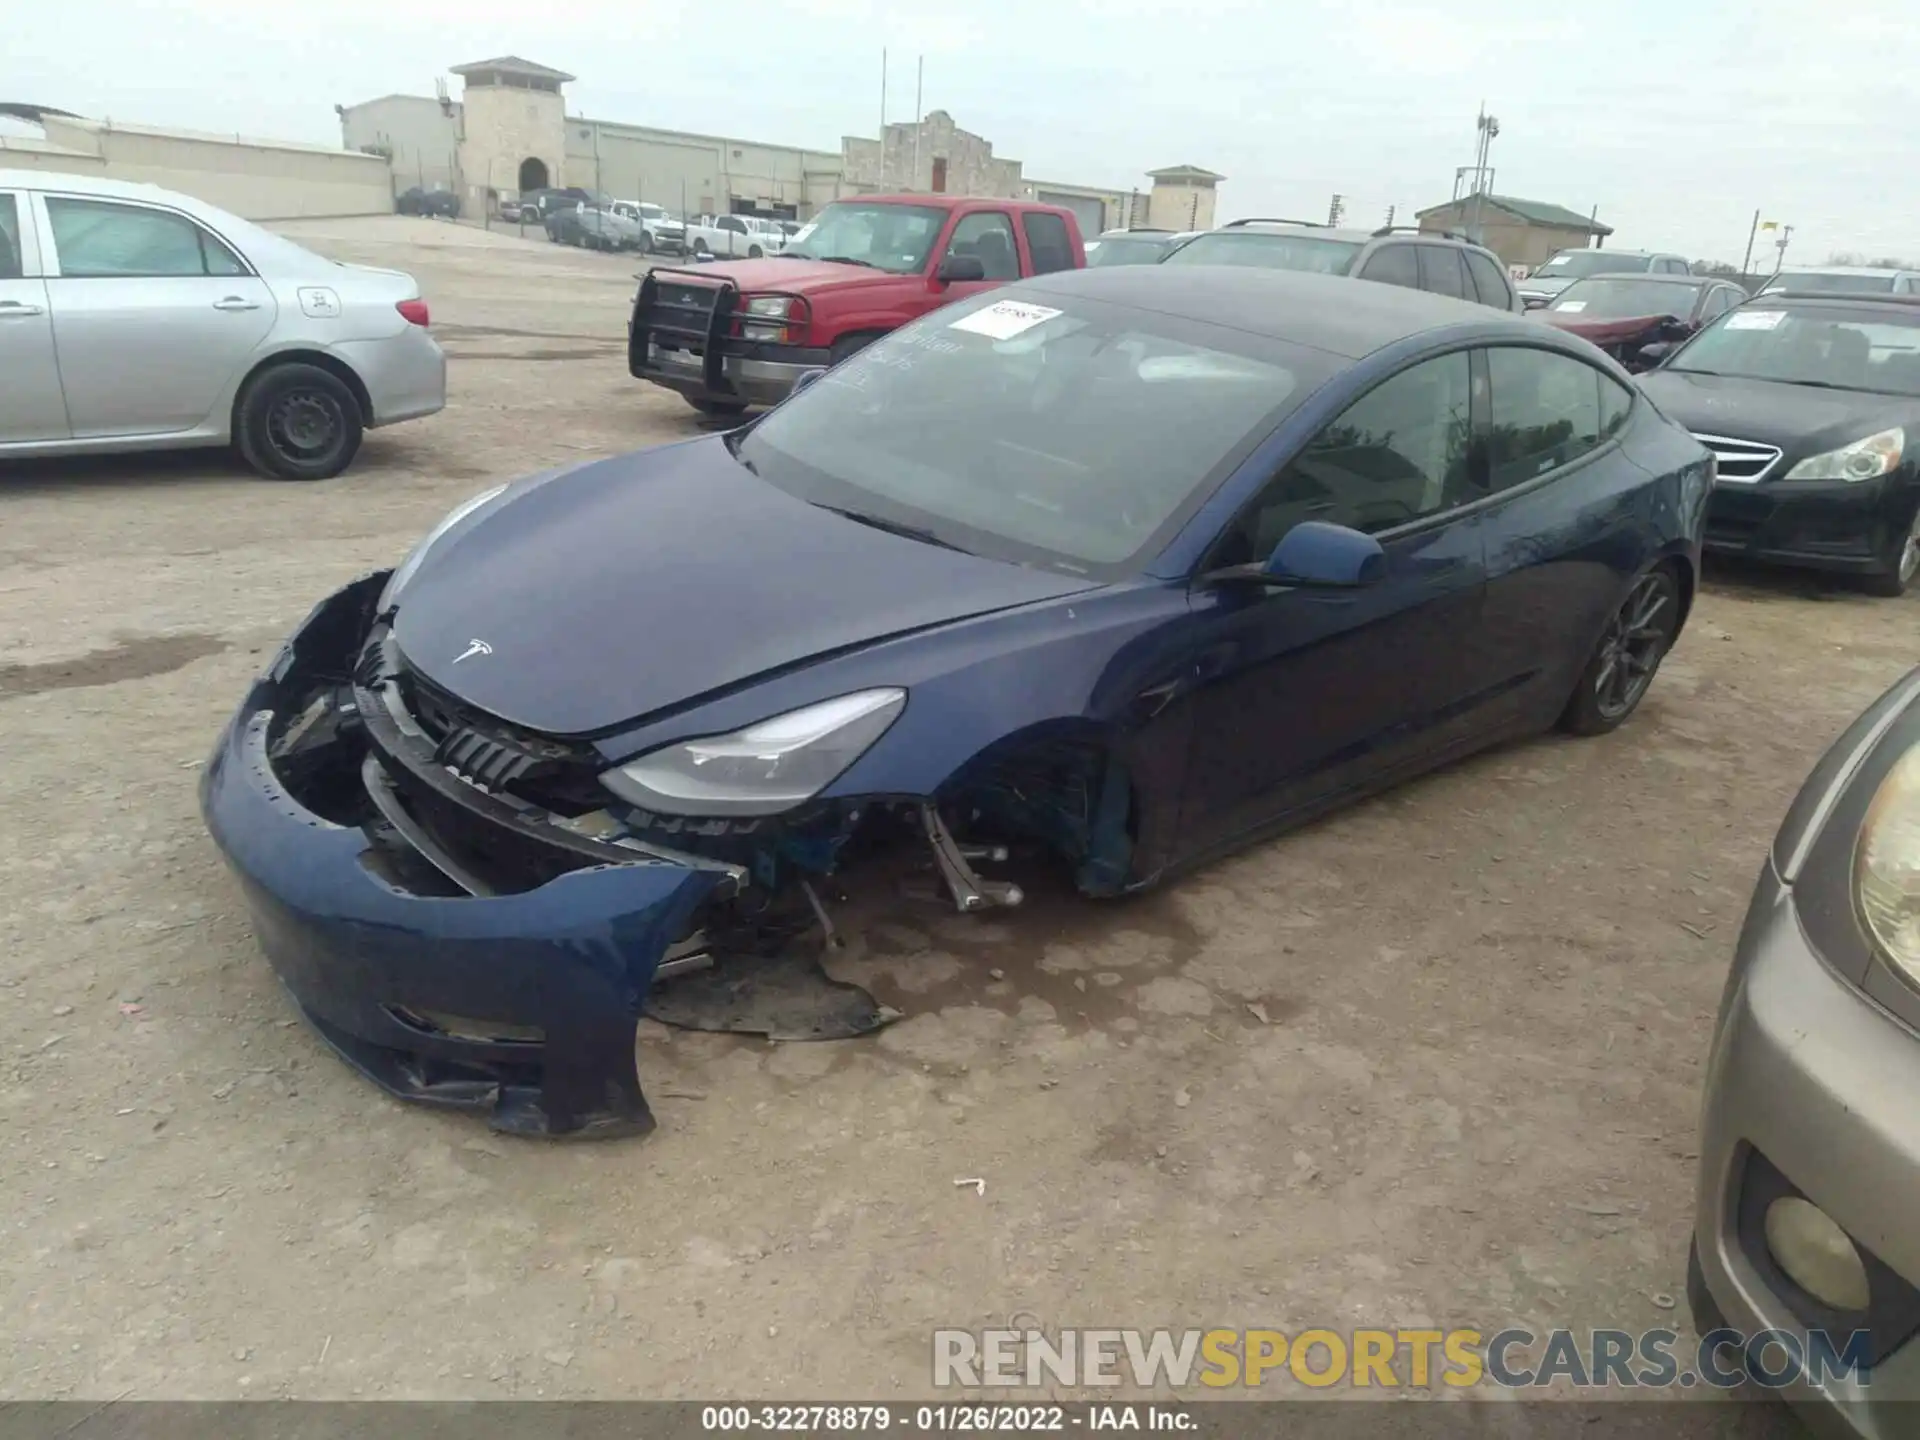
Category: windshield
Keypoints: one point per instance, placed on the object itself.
(1033, 428)
(1127, 250)
(1837, 284)
(1617, 299)
(1267, 251)
(895, 238)
(1850, 349)
(1577, 264)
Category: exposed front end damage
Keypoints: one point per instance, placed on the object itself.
(471, 919)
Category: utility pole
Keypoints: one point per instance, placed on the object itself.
(883, 105)
(1335, 209)
(1392, 210)
(919, 80)
(1780, 246)
(1753, 233)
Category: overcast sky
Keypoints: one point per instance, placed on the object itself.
(1675, 119)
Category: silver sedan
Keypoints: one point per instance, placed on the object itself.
(1810, 1140)
(134, 318)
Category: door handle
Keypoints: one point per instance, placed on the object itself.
(236, 302)
(11, 308)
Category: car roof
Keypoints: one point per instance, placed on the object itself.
(1634, 277)
(1327, 312)
(951, 202)
(1848, 299)
(1611, 250)
(1298, 227)
(1843, 270)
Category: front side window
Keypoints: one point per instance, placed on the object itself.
(1267, 250)
(1545, 413)
(1398, 454)
(1033, 427)
(10, 263)
(894, 238)
(101, 239)
(1048, 242)
(989, 235)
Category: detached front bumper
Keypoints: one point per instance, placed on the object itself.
(523, 1005)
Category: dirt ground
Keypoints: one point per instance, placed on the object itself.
(1471, 1099)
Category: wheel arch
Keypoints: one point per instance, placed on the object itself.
(302, 355)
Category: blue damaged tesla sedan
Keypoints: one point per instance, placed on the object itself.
(1112, 570)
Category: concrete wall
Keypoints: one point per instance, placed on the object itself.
(684, 170)
(421, 139)
(904, 160)
(257, 179)
(1177, 205)
(504, 125)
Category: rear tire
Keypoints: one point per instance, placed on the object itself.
(708, 406)
(297, 422)
(754, 252)
(1627, 656)
(645, 244)
(1903, 565)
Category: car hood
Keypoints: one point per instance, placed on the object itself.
(799, 277)
(639, 584)
(1802, 420)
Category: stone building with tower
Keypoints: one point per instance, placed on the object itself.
(509, 131)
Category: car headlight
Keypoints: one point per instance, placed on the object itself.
(1886, 868)
(779, 306)
(764, 769)
(404, 571)
(1862, 460)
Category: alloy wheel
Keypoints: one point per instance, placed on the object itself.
(1636, 639)
(1910, 554)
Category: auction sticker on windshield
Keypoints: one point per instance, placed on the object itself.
(1571, 305)
(1004, 319)
(1755, 319)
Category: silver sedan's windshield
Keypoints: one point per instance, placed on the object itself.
(1056, 430)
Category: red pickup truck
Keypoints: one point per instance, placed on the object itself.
(741, 332)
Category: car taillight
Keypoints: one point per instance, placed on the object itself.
(413, 311)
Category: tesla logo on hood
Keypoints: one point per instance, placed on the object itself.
(474, 647)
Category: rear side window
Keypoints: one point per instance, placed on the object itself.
(99, 239)
(1441, 272)
(1545, 413)
(1394, 265)
(1488, 280)
(1047, 242)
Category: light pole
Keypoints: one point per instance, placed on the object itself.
(1487, 127)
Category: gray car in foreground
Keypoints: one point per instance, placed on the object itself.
(1810, 1139)
(135, 318)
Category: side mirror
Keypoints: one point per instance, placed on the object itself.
(806, 378)
(1652, 354)
(961, 267)
(1314, 555)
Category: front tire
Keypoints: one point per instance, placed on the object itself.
(1903, 565)
(297, 422)
(754, 252)
(708, 406)
(645, 244)
(1628, 654)
(700, 248)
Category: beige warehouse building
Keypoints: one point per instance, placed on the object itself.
(509, 132)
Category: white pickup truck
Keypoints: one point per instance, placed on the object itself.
(735, 237)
